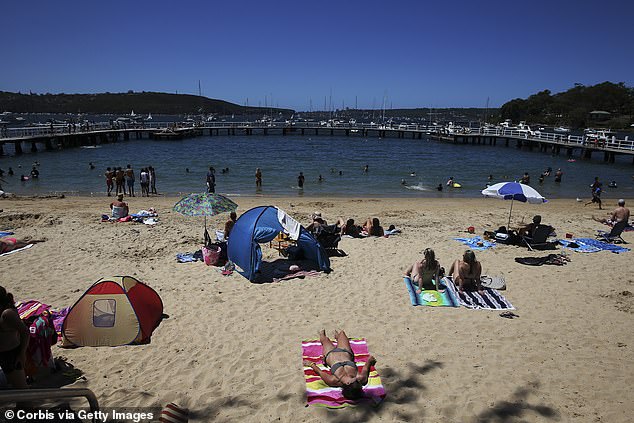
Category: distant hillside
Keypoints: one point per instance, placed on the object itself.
(120, 103)
(613, 105)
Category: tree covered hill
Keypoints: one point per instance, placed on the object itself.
(574, 106)
(120, 103)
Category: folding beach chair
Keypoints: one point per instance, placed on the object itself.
(614, 236)
(538, 240)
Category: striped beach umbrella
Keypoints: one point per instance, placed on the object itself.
(514, 191)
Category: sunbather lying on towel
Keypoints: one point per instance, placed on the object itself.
(466, 272)
(425, 272)
(10, 244)
(343, 369)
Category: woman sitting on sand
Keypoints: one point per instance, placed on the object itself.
(343, 369)
(426, 272)
(466, 272)
(373, 227)
(10, 244)
(14, 340)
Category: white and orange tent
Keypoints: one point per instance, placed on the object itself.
(113, 311)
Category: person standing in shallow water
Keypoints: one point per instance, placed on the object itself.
(300, 180)
(109, 181)
(129, 176)
(152, 180)
(258, 178)
(211, 180)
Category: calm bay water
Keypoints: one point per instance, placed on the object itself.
(281, 158)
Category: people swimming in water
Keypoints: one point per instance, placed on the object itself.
(412, 173)
(439, 187)
(450, 181)
(612, 184)
(403, 182)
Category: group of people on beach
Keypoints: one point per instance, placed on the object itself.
(371, 227)
(122, 180)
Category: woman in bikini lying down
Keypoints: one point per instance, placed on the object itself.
(10, 244)
(343, 369)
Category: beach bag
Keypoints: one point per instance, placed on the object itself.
(211, 255)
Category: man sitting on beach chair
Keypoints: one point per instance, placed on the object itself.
(619, 219)
(535, 235)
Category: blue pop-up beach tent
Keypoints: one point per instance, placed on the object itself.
(262, 224)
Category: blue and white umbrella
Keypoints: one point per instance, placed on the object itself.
(514, 191)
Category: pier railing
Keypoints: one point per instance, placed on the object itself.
(607, 143)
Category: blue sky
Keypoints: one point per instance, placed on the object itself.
(287, 53)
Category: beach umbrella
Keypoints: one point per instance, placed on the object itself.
(514, 191)
(204, 204)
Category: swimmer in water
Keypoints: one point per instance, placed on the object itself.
(403, 182)
(412, 173)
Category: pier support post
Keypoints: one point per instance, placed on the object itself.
(48, 145)
(2, 149)
(126, 136)
(302, 131)
(519, 144)
(33, 147)
(332, 132)
(18, 147)
(266, 131)
(506, 142)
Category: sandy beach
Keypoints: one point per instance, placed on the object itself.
(230, 350)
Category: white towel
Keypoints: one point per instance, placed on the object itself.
(290, 225)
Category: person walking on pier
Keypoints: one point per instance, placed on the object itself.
(211, 180)
(129, 177)
(109, 180)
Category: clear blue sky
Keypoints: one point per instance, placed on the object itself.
(413, 53)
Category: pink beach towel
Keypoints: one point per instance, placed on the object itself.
(320, 394)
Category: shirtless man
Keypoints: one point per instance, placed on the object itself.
(119, 176)
(14, 339)
(129, 177)
(466, 272)
(343, 369)
(109, 181)
(619, 214)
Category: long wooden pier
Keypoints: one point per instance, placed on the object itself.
(65, 136)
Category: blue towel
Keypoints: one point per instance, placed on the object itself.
(5, 234)
(473, 243)
(601, 245)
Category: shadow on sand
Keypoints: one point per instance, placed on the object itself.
(402, 386)
(517, 408)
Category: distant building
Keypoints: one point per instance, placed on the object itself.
(599, 115)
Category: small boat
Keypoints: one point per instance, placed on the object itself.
(571, 160)
(562, 129)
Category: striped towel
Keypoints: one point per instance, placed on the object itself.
(440, 299)
(490, 300)
(320, 394)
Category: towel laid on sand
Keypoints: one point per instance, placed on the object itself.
(33, 308)
(3, 234)
(17, 250)
(430, 297)
(477, 243)
(490, 300)
(589, 245)
(189, 257)
(320, 394)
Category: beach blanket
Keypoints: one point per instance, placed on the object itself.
(320, 394)
(477, 243)
(430, 297)
(589, 245)
(553, 259)
(3, 234)
(17, 250)
(489, 300)
(189, 257)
